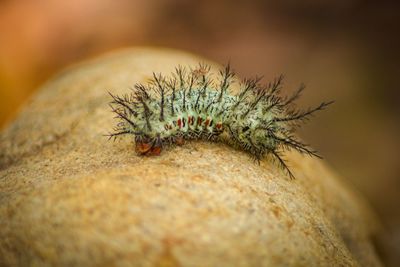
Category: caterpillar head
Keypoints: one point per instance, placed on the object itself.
(148, 146)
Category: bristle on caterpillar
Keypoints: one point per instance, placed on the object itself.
(190, 104)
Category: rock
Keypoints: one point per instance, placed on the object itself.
(70, 197)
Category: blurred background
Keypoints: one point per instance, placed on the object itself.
(346, 50)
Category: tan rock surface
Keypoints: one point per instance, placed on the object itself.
(69, 197)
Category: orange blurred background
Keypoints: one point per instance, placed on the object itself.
(347, 50)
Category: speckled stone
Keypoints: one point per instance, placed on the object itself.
(70, 197)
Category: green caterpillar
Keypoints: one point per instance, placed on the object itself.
(189, 104)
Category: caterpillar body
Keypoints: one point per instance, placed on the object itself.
(190, 104)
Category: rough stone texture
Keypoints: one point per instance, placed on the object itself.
(69, 197)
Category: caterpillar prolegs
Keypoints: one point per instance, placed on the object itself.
(193, 104)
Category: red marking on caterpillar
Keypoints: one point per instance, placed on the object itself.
(207, 122)
(191, 120)
(193, 105)
(199, 121)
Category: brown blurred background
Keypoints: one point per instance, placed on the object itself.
(347, 50)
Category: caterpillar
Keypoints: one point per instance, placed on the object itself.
(191, 104)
